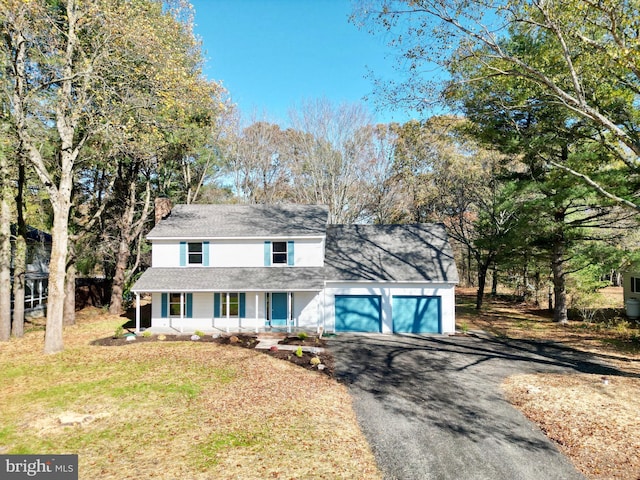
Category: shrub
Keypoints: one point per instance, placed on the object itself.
(199, 333)
(315, 361)
(299, 352)
(302, 336)
(119, 332)
(147, 334)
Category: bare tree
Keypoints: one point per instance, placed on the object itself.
(258, 157)
(333, 153)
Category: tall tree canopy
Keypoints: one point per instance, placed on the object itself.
(579, 55)
(77, 70)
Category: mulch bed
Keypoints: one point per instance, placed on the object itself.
(243, 341)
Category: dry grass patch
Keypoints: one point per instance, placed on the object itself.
(595, 424)
(175, 410)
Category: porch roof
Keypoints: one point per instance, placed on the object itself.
(212, 279)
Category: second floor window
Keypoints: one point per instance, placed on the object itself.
(279, 252)
(195, 253)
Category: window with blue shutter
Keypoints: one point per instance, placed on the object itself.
(165, 306)
(267, 253)
(242, 305)
(290, 254)
(189, 309)
(183, 254)
(216, 305)
(205, 254)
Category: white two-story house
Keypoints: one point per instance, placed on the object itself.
(237, 268)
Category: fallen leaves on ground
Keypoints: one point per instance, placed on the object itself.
(594, 420)
(189, 410)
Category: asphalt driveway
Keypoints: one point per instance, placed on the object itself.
(431, 407)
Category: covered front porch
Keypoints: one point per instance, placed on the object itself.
(226, 300)
(211, 312)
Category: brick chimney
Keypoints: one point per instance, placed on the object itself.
(162, 208)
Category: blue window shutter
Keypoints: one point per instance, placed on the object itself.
(183, 254)
(242, 305)
(267, 253)
(205, 254)
(189, 305)
(216, 304)
(165, 305)
(290, 253)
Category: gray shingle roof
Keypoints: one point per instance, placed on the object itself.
(211, 221)
(398, 253)
(230, 279)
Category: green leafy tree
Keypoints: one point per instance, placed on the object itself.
(576, 55)
(561, 212)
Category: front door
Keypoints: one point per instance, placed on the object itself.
(279, 309)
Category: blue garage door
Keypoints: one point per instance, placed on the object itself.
(416, 314)
(358, 313)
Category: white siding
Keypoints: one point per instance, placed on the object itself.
(250, 253)
(386, 291)
(306, 310)
(165, 253)
(239, 253)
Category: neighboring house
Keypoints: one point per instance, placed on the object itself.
(251, 267)
(631, 290)
(36, 282)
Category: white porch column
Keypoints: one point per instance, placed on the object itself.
(289, 312)
(137, 313)
(181, 312)
(228, 310)
(257, 317)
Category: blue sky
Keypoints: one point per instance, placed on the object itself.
(273, 54)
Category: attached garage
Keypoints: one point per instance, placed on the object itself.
(358, 313)
(389, 279)
(416, 314)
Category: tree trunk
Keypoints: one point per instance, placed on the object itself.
(482, 279)
(70, 289)
(57, 271)
(469, 260)
(494, 281)
(19, 271)
(20, 259)
(559, 281)
(117, 286)
(125, 233)
(483, 269)
(5, 250)
(130, 229)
